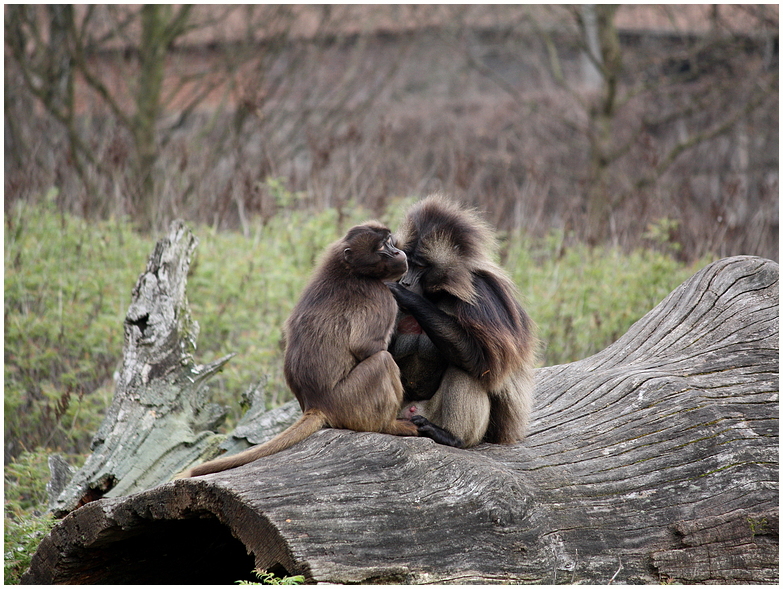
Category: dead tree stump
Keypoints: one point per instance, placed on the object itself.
(160, 399)
(653, 460)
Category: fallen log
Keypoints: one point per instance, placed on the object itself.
(655, 460)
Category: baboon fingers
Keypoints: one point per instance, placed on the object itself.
(427, 429)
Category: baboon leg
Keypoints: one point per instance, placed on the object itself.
(400, 427)
(511, 408)
(461, 406)
(370, 397)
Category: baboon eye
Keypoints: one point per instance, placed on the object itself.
(386, 248)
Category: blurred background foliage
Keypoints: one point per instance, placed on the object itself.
(617, 149)
(596, 120)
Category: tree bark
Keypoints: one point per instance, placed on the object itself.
(652, 461)
(160, 399)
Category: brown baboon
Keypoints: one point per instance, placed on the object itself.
(463, 343)
(336, 359)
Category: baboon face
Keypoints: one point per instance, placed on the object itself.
(445, 245)
(435, 265)
(369, 250)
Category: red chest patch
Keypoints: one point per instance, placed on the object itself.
(408, 324)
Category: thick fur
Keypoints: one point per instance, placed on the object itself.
(336, 358)
(464, 344)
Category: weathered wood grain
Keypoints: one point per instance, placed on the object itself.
(653, 460)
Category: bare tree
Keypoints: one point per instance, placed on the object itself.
(647, 111)
(54, 45)
(545, 116)
(602, 50)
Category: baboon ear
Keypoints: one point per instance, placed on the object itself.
(347, 254)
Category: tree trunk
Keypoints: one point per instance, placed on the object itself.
(603, 44)
(160, 398)
(652, 461)
(152, 54)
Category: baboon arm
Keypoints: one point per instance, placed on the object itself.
(449, 336)
(368, 335)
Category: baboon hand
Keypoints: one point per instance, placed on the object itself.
(402, 295)
(427, 429)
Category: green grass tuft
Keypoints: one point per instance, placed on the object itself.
(25, 522)
(267, 578)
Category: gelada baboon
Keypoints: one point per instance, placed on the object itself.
(463, 343)
(336, 359)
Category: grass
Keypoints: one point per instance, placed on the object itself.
(267, 578)
(67, 289)
(584, 298)
(25, 522)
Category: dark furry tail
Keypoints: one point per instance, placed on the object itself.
(305, 426)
